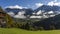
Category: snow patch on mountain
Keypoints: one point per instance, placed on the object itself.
(50, 12)
(44, 11)
(20, 15)
(39, 12)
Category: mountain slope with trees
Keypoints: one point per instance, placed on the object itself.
(9, 22)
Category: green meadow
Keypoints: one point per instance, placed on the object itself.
(21, 31)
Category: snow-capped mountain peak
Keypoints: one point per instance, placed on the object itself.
(44, 11)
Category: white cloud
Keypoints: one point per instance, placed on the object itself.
(20, 15)
(11, 14)
(50, 3)
(38, 4)
(54, 3)
(35, 16)
(16, 6)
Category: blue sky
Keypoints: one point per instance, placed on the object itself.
(24, 3)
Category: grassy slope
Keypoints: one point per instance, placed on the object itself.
(20, 31)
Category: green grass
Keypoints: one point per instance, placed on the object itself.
(20, 31)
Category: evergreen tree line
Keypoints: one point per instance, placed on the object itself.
(40, 25)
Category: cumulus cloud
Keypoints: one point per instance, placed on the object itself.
(16, 6)
(38, 4)
(54, 3)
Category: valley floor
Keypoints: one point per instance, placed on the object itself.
(20, 31)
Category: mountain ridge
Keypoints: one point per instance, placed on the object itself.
(44, 10)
